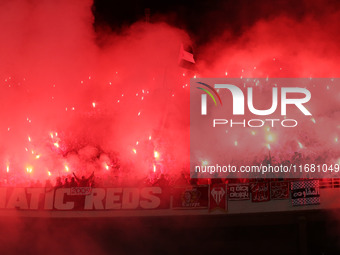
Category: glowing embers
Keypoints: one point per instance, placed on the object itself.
(270, 136)
(29, 169)
(255, 123)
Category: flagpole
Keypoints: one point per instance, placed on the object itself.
(147, 15)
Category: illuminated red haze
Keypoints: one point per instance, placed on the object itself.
(69, 105)
(122, 108)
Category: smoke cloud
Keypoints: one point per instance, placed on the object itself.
(281, 47)
(73, 104)
(76, 100)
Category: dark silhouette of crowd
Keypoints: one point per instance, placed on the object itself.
(119, 178)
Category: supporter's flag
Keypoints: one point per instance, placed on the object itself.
(305, 192)
(218, 197)
(238, 192)
(260, 192)
(196, 197)
(279, 190)
(186, 58)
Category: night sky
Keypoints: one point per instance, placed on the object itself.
(206, 19)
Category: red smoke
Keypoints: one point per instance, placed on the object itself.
(278, 47)
(74, 100)
(281, 47)
(69, 104)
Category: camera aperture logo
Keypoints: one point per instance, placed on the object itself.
(204, 97)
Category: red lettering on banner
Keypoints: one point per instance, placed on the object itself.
(59, 200)
(95, 200)
(150, 200)
(68, 199)
(113, 198)
(18, 199)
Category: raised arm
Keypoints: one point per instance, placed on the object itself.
(90, 177)
(76, 177)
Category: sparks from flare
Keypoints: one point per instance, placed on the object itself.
(156, 154)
